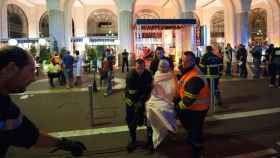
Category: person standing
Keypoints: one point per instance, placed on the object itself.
(68, 61)
(16, 73)
(274, 61)
(228, 59)
(243, 61)
(257, 55)
(125, 60)
(137, 92)
(160, 110)
(78, 68)
(211, 64)
(159, 54)
(193, 102)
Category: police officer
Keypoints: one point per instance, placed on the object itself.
(137, 92)
(194, 102)
(16, 73)
(274, 61)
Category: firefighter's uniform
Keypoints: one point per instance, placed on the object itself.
(137, 92)
(194, 93)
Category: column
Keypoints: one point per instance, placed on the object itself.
(179, 45)
(188, 33)
(56, 23)
(68, 27)
(125, 33)
(3, 20)
(242, 27)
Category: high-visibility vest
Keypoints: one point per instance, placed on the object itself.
(202, 99)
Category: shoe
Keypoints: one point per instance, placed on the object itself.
(131, 147)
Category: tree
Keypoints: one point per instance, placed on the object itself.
(33, 51)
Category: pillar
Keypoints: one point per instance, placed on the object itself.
(188, 33)
(242, 27)
(125, 28)
(3, 20)
(56, 23)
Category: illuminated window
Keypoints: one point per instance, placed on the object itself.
(44, 25)
(258, 24)
(217, 30)
(17, 22)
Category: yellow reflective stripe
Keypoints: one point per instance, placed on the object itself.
(187, 94)
(182, 106)
(128, 102)
(201, 65)
(131, 91)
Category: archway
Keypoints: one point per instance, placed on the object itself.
(17, 22)
(102, 22)
(217, 30)
(258, 24)
(44, 25)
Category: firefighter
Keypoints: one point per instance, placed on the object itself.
(137, 92)
(211, 64)
(193, 103)
(16, 73)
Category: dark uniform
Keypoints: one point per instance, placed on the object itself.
(125, 61)
(15, 128)
(211, 64)
(275, 66)
(154, 64)
(137, 92)
(193, 106)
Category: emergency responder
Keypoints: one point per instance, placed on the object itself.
(16, 73)
(193, 102)
(159, 54)
(274, 60)
(137, 92)
(212, 64)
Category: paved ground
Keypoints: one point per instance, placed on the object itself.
(60, 109)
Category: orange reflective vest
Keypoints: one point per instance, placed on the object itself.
(202, 99)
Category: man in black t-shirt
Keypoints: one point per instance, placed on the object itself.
(16, 73)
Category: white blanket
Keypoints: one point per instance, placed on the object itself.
(160, 108)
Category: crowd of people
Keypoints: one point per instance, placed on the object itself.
(155, 96)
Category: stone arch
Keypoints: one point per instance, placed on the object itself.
(44, 25)
(17, 22)
(101, 22)
(146, 14)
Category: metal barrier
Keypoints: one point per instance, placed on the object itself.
(91, 104)
(212, 84)
(212, 91)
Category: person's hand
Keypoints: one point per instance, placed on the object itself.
(75, 147)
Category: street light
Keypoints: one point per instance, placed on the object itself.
(12, 42)
(42, 42)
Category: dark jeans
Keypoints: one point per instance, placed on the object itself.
(257, 66)
(193, 122)
(275, 70)
(125, 63)
(55, 75)
(135, 118)
(228, 69)
(243, 70)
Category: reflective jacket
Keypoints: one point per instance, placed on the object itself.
(202, 99)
